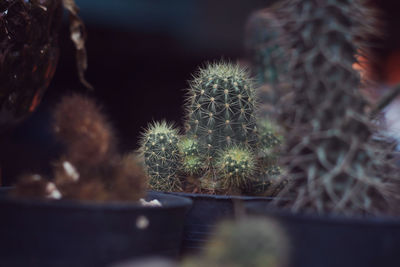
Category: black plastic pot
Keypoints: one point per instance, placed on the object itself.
(206, 212)
(68, 233)
(335, 241)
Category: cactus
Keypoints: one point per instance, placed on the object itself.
(235, 165)
(270, 137)
(192, 165)
(81, 126)
(249, 242)
(221, 108)
(189, 147)
(221, 149)
(90, 167)
(159, 148)
(192, 161)
(329, 154)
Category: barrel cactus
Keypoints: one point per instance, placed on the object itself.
(160, 151)
(221, 108)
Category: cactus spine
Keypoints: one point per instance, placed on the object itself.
(159, 148)
(221, 108)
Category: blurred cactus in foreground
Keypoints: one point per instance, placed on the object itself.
(248, 242)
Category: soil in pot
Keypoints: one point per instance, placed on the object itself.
(332, 241)
(70, 233)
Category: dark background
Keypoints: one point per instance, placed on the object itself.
(141, 54)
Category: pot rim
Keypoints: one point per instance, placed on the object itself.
(260, 209)
(219, 197)
(167, 201)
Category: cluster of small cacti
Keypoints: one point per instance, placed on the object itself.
(90, 168)
(248, 242)
(222, 147)
(333, 164)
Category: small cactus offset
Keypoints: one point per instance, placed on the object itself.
(221, 108)
(270, 137)
(159, 148)
(189, 147)
(192, 161)
(235, 165)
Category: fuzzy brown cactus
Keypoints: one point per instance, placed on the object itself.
(85, 131)
(90, 168)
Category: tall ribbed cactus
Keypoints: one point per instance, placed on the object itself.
(159, 148)
(221, 108)
(334, 165)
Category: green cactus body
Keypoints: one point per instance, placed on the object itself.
(192, 165)
(236, 165)
(221, 108)
(269, 136)
(189, 147)
(192, 161)
(330, 160)
(159, 147)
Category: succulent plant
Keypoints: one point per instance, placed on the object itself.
(222, 148)
(270, 137)
(160, 150)
(235, 165)
(84, 130)
(90, 168)
(248, 242)
(221, 108)
(328, 150)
